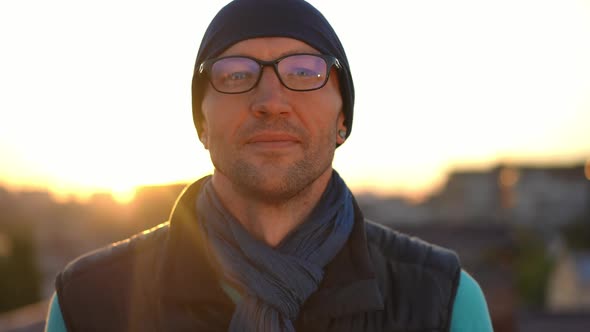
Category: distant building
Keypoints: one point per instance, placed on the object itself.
(391, 210)
(551, 322)
(537, 196)
(467, 196)
(549, 196)
(569, 285)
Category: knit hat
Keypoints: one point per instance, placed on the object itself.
(246, 19)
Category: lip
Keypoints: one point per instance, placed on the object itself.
(273, 140)
(272, 137)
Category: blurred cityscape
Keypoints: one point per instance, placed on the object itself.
(522, 231)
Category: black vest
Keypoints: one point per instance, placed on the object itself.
(164, 280)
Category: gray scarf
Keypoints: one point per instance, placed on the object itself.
(278, 280)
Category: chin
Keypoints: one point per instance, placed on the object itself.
(272, 184)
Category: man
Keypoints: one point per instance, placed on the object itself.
(273, 240)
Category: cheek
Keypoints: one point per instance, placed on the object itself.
(223, 115)
(215, 109)
(208, 105)
(329, 106)
(332, 96)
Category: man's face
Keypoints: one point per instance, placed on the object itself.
(272, 142)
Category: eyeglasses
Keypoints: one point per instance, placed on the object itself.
(297, 72)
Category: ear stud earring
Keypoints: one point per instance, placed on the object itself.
(342, 133)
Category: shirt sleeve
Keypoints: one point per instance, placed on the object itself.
(470, 310)
(55, 321)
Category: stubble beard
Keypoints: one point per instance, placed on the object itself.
(274, 182)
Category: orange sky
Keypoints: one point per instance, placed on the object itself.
(96, 96)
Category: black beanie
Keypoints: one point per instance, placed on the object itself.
(246, 19)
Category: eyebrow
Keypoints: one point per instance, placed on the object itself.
(297, 51)
(282, 54)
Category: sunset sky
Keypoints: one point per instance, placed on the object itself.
(95, 95)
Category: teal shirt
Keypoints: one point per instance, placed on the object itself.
(470, 311)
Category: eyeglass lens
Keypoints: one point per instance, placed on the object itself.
(296, 72)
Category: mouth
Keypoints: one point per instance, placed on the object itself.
(273, 140)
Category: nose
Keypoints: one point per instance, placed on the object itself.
(270, 97)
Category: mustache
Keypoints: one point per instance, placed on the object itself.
(274, 125)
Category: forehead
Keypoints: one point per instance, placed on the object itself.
(268, 48)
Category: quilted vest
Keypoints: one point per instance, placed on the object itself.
(165, 280)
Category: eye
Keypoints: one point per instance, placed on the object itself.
(302, 69)
(234, 74)
(239, 75)
(304, 72)
(234, 69)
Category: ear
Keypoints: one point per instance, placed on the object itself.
(341, 131)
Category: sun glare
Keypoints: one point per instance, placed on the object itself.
(123, 194)
(119, 194)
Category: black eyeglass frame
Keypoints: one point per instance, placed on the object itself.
(205, 69)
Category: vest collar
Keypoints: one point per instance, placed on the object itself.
(350, 275)
(188, 275)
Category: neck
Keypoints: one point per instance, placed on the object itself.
(270, 221)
